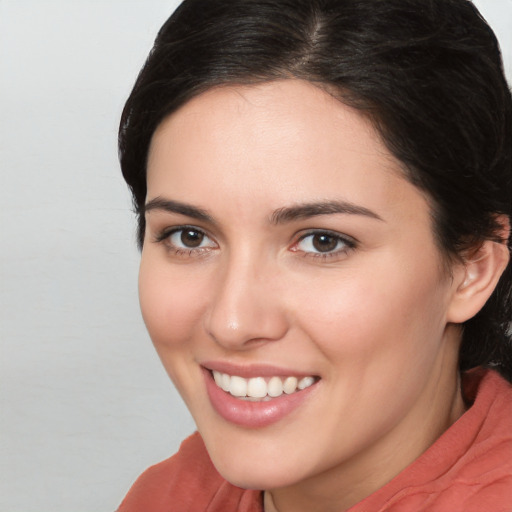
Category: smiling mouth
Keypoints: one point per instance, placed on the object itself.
(261, 388)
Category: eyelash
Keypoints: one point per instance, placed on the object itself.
(349, 243)
(165, 237)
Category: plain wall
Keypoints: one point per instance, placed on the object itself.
(85, 405)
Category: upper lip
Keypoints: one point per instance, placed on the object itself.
(248, 371)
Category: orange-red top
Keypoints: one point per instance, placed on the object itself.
(468, 469)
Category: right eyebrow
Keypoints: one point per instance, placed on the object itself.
(168, 205)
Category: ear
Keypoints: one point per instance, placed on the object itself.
(477, 276)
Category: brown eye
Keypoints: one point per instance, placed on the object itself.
(187, 238)
(324, 242)
(191, 238)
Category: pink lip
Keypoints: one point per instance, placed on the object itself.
(252, 414)
(254, 370)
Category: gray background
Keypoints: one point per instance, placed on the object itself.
(84, 403)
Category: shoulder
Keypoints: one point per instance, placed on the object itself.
(469, 468)
(480, 478)
(186, 481)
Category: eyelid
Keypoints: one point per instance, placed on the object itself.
(335, 234)
(349, 242)
(165, 234)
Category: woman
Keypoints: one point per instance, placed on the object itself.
(324, 196)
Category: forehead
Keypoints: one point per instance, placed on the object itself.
(281, 109)
(265, 146)
(256, 129)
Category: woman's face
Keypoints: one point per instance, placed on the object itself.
(284, 247)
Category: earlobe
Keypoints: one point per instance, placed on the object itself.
(479, 274)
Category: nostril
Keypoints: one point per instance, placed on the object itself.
(247, 332)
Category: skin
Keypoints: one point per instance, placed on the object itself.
(371, 318)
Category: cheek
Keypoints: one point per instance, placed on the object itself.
(171, 305)
(388, 313)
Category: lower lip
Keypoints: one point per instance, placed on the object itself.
(253, 414)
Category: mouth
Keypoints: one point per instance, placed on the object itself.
(261, 388)
(262, 397)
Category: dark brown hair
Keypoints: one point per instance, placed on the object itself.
(428, 73)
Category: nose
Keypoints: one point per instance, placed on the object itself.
(246, 308)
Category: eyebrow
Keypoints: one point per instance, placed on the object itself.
(303, 211)
(168, 205)
(280, 216)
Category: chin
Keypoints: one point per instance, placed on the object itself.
(257, 479)
(255, 473)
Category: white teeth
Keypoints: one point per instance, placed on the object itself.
(257, 387)
(275, 387)
(225, 382)
(305, 382)
(290, 385)
(260, 388)
(217, 377)
(238, 386)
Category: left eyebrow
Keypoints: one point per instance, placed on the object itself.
(302, 211)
